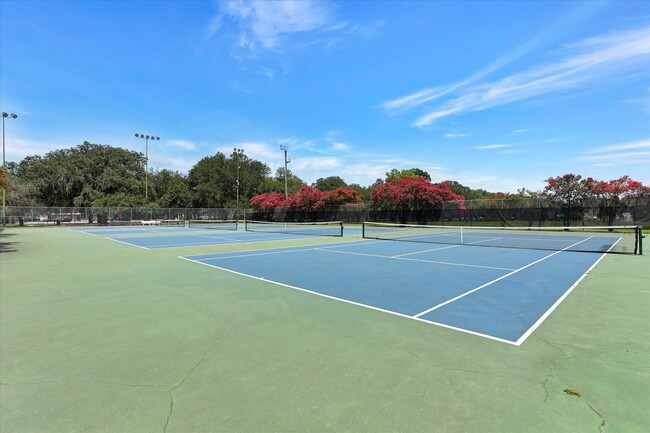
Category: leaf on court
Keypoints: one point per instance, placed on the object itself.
(571, 391)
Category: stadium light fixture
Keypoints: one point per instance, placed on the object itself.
(238, 153)
(4, 167)
(146, 139)
(286, 161)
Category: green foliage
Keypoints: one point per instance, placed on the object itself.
(412, 173)
(467, 192)
(364, 191)
(329, 183)
(213, 180)
(75, 177)
(276, 184)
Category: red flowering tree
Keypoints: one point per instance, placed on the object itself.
(611, 194)
(412, 198)
(264, 204)
(341, 196)
(570, 192)
(305, 203)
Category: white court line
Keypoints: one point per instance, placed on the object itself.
(416, 260)
(76, 230)
(217, 237)
(266, 253)
(559, 301)
(444, 248)
(127, 243)
(435, 307)
(425, 251)
(394, 313)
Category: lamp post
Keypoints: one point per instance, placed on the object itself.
(4, 166)
(238, 153)
(286, 161)
(146, 161)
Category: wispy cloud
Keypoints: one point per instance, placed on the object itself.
(641, 144)
(492, 146)
(590, 62)
(456, 135)
(280, 26)
(629, 153)
(264, 151)
(339, 146)
(183, 144)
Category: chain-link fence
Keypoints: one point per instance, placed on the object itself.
(515, 213)
(81, 216)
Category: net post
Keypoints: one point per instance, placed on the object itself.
(341, 228)
(363, 229)
(639, 234)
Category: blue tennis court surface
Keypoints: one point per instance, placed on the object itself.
(499, 293)
(175, 237)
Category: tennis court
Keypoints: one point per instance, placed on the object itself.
(101, 336)
(499, 293)
(215, 232)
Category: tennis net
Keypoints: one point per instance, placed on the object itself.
(606, 239)
(213, 224)
(152, 223)
(329, 228)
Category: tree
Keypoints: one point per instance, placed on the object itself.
(341, 196)
(413, 173)
(467, 192)
(276, 184)
(308, 199)
(77, 176)
(611, 193)
(364, 192)
(213, 180)
(570, 191)
(409, 197)
(329, 183)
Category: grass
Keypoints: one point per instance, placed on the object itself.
(97, 336)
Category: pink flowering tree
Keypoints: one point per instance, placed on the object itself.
(407, 198)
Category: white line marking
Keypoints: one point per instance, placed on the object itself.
(435, 307)
(416, 260)
(425, 251)
(127, 243)
(539, 321)
(245, 254)
(217, 237)
(394, 313)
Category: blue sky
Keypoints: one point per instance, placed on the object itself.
(495, 95)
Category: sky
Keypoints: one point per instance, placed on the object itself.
(494, 95)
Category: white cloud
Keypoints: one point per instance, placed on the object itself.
(316, 163)
(629, 157)
(266, 24)
(339, 146)
(255, 150)
(175, 164)
(183, 144)
(492, 146)
(456, 135)
(591, 62)
(641, 144)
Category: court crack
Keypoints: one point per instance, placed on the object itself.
(568, 356)
(179, 384)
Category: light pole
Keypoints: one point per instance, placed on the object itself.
(286, 161)
(146, 161)
(4, 167)
(238, 153)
